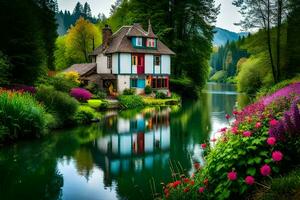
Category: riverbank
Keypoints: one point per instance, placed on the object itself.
(261, 141)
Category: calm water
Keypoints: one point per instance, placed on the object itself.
(115, 159)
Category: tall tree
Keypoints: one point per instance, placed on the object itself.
(87, 10)
(80, 39)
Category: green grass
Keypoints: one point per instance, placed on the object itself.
(149, 101)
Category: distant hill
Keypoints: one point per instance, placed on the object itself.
(222, 36)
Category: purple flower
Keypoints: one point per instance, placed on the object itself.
(80, 94)
(295, 115)
(277, 131)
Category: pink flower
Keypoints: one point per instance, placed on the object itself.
(203, 146)
(265, 170)
(223, 129)
(258, 125)
(271, 141)
(247, 134)
(201, 189)
(227, 116)
(277, 156)
(232, 175)
(249, 180)
(176, 183)
(234, 130)
(273, 122)
(213, 140)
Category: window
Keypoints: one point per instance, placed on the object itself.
(134, 82)
(159, 82)
(139, 41)
(150, 43)
(134, 60)
(109, 62)
(157, 60)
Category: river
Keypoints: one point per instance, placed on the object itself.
(118, 157)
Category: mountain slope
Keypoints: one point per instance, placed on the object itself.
(222, 36)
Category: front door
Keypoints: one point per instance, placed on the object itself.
(140, 63)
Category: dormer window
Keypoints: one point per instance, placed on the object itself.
(139, 42)
(150, 43)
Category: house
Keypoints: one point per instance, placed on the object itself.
(131, 58)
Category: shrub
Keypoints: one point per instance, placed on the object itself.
(60, 83)
(131, 101)
(219, 76)
(100, 95)
(160, 95)
(94, 103)
(4, 69)
(84, 115)
(80, 94)
(59, 103)
(21, 115)
(148, 89)
(130, 91)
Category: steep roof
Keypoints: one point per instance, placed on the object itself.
(121, 42)
(82, 69)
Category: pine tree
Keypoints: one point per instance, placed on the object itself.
(87, 10)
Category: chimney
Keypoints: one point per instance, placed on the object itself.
(106, 36)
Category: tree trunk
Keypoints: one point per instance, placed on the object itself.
(269, 42)
(279, 18)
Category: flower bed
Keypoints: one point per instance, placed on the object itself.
(261, 142)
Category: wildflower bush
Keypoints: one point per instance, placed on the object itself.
(262, 142)
(20, 116)
(81, 94)
(60, 82)
(60, 104)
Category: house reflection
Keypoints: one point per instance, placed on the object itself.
(136, 144)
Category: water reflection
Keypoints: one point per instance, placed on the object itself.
(116, 158)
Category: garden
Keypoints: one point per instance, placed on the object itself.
(255, 157)
(62, 101)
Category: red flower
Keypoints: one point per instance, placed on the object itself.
(205, 181)
(192, 182)
(197, 165)
(227, 116)
(203, 145)
(277, 156)
(223, 129)
(213, 140)
(249, 180)
(235, 112)
(201, 189)
(271, 141)
(166, 191)
(176, 183)
(265, 170)
(186, 180)
(186, 189)
(232, 175)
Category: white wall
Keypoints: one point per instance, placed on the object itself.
(157, 69)
(165, 64)
(115, 63)
(123, 82)
(148, 64)
(102, 64)
(123, 125)
(125, 63)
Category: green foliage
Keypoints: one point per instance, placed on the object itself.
(4, 69)
(84, 115)
(29, 41)
(20, 116)
(284, 188)
(148, 89)
(60, 104)
(160, 95)
(130, 91)
(131, 101)
(269, 90)
(219, 76)
(62, 59)
(250, 79)
(60, 83)
(95, 103)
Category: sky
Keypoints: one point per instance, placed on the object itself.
(228, 15)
